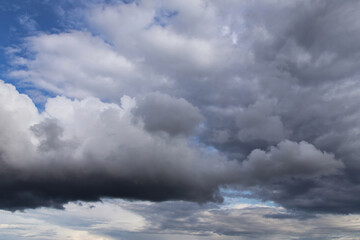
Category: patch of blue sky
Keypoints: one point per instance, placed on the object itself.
(162, 16)
(128, 1)
(20, 18)
(211, 149)
(195, 141)
(234, 197)
(38, 96)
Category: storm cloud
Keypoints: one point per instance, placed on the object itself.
(62, 159)
(173, 100)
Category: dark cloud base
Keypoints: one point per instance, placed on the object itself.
(51, 192)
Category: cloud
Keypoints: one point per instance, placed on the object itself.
(258, 123)
(76, 64)
(157, 45)
(243, 221)
(289, 160)
(271, 83)
(87, 149)
(114, 219)
(160, 112)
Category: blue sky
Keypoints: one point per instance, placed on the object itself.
(22, 19)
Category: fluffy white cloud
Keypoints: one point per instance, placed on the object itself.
(145, 38)
(18, 114)
(77, 64)
(119, 58)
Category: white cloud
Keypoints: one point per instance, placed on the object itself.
(77, 64)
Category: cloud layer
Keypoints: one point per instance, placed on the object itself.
(259, 96)
(114, 219)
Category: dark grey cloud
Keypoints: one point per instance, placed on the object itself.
(289, 160)
(305, 64)
(161, 112)
(274, 86)
(258, 123)
(50, 134)
(54, 191)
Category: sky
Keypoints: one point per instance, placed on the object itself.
(192, 119)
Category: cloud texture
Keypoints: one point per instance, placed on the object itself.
(257, 96)
(58, 158)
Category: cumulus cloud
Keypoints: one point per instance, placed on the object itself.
(251, 73)
(160, 112)
(76, 64)
(289, 160)
(87, 149)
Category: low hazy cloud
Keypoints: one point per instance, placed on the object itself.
(173, 220)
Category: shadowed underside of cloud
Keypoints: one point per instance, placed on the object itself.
(259, 96)
(62, 159)
(86, 150)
